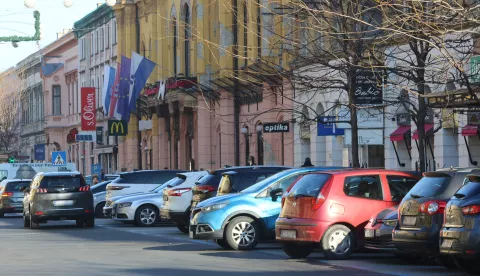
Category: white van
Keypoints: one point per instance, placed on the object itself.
(29, 170)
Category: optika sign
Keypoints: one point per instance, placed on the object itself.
(276, 127)
(89, 115)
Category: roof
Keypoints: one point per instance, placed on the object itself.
(145, 171)
(15, 180)
(247, 167)
(100, 15)
(362, 171)
(59, 173)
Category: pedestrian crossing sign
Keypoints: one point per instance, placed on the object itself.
(59, 158)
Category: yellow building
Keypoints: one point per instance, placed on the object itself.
(217, 96)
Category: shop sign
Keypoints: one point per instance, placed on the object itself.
(369, 85)
(89, 112)
(365, 137)
(276, 127)
(403, 119)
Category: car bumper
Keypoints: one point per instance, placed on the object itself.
(416, 241)
(62, 214)
(306, 230)
(205, 232)
(123, 214)
(379, 239)
(107, 211)
(207, 226)
(8, 209)
(460, 241)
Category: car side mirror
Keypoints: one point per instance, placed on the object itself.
(276, 193)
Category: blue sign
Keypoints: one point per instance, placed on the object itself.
(59, 158)
(326, 126)
(96, 169)
(39, 152)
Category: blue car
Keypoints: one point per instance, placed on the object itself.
(239, 221)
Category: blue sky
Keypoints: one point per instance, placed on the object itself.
(16, 19)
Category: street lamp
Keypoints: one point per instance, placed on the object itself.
(67, 3)
(29, 3)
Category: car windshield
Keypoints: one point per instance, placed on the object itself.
(172, 182)
(258, 187)
(15, 186)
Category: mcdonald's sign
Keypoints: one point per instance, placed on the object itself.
(117, 128)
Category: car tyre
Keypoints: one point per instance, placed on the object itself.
(99, 210)
(26, 222)
(243, 233)
(146, 216)
(298, 250)
(90, 223)
(223, 244)
(447, 262)
(468, 266)
(80, 223)
(338, 242)
(183, 228)
(33, 224)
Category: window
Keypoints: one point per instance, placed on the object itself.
(175, 47)
(82, 48)
(15, 186)
(102, 39)
(282, 184)
(234, 183)
(114, 31)
(92, 43)
(107, 37)
(97, 41)
(56, 182)
(56, 100)
(430, 186)
(309, 185)
(187, 41)
(363, 186)
(400, 185)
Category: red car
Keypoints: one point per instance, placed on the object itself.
(331, 209)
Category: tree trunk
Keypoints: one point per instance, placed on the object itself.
(422, 113)
(353, 118)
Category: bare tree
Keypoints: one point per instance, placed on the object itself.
(10, 117)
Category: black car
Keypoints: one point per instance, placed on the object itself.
(378, 231)
(11, 195)
(460, 236)
(420, 214)
(208, 185)
(58, 196)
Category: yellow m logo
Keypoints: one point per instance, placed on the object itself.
(118, 126)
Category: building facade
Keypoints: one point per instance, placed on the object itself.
(97, 48)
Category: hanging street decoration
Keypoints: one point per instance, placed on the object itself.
(35, 37)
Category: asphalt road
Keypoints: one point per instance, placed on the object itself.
(111, 248)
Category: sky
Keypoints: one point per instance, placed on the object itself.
(16, 19)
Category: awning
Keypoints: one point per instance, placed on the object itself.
(427, 127)
(470, 130)
(399, 133)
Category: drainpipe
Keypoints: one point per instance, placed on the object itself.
(235, 74)
(139, 117)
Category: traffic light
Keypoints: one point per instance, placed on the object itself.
(11, 159)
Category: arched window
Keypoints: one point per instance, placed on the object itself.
(175, 37)
(186, 29)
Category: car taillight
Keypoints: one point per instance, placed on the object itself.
(205, 188)
(432, 207)
(7, 194)
(84, 189)
(178, 192)
(42, 191)
(471, 210)
(317, 202)
(117, 188)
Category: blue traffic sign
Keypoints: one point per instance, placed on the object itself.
(59, 158)
(326, 126)
(96, 168)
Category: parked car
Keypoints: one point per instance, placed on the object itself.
(420, 214)
(208, 186)
(330, 209)
(460, 234)
(239, 221)
(99, 197)
(136, 182)
(144, 209)
(11, 198)
(58, 196)
(177, 200)
(108, 177)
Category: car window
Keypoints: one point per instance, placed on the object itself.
(162, 177)
(471, 188)
(101, 187)
(430, 186)
(363, 186)
(234, 183)
(15, 186)
(69, 182)
(400, 185)
(283, 184)
(309, 185)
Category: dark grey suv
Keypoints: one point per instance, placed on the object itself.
(58, 196)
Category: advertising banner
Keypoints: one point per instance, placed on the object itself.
(89, 114)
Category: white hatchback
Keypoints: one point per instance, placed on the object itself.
(177, 200)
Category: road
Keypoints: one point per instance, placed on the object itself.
(111, 248)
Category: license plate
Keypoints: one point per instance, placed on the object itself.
(409, 221)
(447, 243)
(60, 203)
(369, 233)
(288, 234)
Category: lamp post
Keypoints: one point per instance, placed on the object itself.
(67, 3)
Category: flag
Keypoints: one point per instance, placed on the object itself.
(114, 93)
(109, 79)
(140, 70)
(123, 91)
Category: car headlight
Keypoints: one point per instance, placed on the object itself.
(390, 222)
(214, 207)
(124, 204)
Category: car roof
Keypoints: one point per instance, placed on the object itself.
(147, 171)
(240, 168)
(59, 173)
(6, 181)
(353, 171)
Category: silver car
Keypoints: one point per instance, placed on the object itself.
(144, 209)
(99, 195)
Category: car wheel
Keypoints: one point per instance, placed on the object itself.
(146, 216)
(468, 266)
(99, 210)
(223, 244)
(183, 228)
(90, 223)
(33, 224)
(80, 223)
(338, 242)
(447, 262)
(298, 250)
(242, 233)
(26, 222)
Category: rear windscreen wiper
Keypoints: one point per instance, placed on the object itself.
(303, 195)
(459, 195)
(415, 196)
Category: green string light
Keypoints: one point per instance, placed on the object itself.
(36, 37)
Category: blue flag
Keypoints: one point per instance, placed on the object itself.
(141, 68)
(123, 91)
(109, 76)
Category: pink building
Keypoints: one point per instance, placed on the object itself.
(60, 85)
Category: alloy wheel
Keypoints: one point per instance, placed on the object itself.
(148, 216)
(243, 233)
